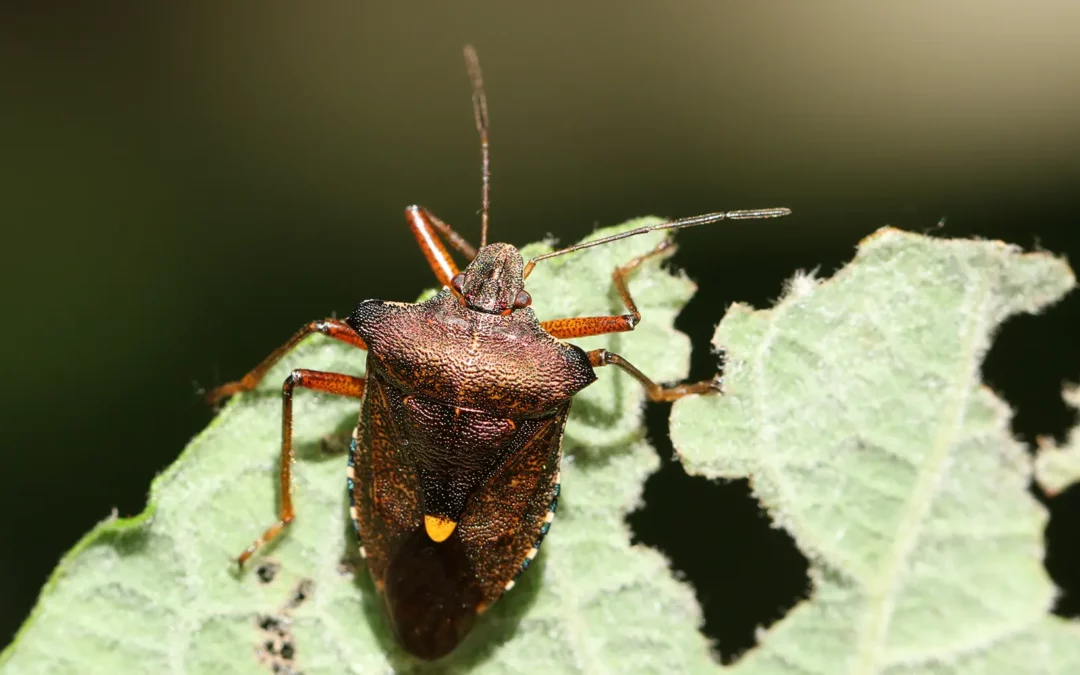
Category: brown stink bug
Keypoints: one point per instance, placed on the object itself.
(454, 466)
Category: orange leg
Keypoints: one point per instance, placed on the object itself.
(425, 226)
(331, 383)
(655, 392)
(338, 330)
(455, 240)
(600, 325)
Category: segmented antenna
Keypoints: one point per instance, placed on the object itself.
(479, 102)
(705, 219)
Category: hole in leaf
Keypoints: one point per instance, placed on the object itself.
(1030, 359)
(746, 573)
(1063, 550)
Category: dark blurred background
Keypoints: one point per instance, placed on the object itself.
(182, 187)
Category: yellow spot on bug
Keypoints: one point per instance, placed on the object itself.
(509, 585)
(531, 554)
(350, 473)
(438, 528)
(354, 513)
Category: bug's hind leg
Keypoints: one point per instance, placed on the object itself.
(331, 383)
(331, 328)
(655, 392)
(585, 326)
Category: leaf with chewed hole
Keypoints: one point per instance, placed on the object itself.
(856, 409)
(1056, 468)
(157, 593)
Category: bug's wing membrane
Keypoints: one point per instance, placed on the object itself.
(521, 492)
(386, 492)
(433, 590)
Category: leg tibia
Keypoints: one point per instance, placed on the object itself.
(655, 392)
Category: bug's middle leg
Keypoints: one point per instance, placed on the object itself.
(584, 326)
(331, 383)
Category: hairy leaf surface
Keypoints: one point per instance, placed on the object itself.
(1056, 468)
(158, 593)
(854, 405)
(856, 409)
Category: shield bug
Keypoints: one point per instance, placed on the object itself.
(453, 470)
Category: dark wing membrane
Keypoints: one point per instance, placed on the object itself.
(386, 492)
(503, 520)
(433, 591)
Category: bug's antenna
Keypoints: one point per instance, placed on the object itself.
(670, 225)
(479, 102)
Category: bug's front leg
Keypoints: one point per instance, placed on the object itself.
(585, 326)
(425, 227)
(331, 383)
(655, 392)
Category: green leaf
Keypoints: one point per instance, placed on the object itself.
(856, 409)
(1056, 468)
(158, 593)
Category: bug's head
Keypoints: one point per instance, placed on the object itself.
(492, 283)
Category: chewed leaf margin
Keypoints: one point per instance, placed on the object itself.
(183, 579)
(813, 347)
(1058, 467)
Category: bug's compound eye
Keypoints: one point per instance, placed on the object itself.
(458, 282)
(522, 299)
